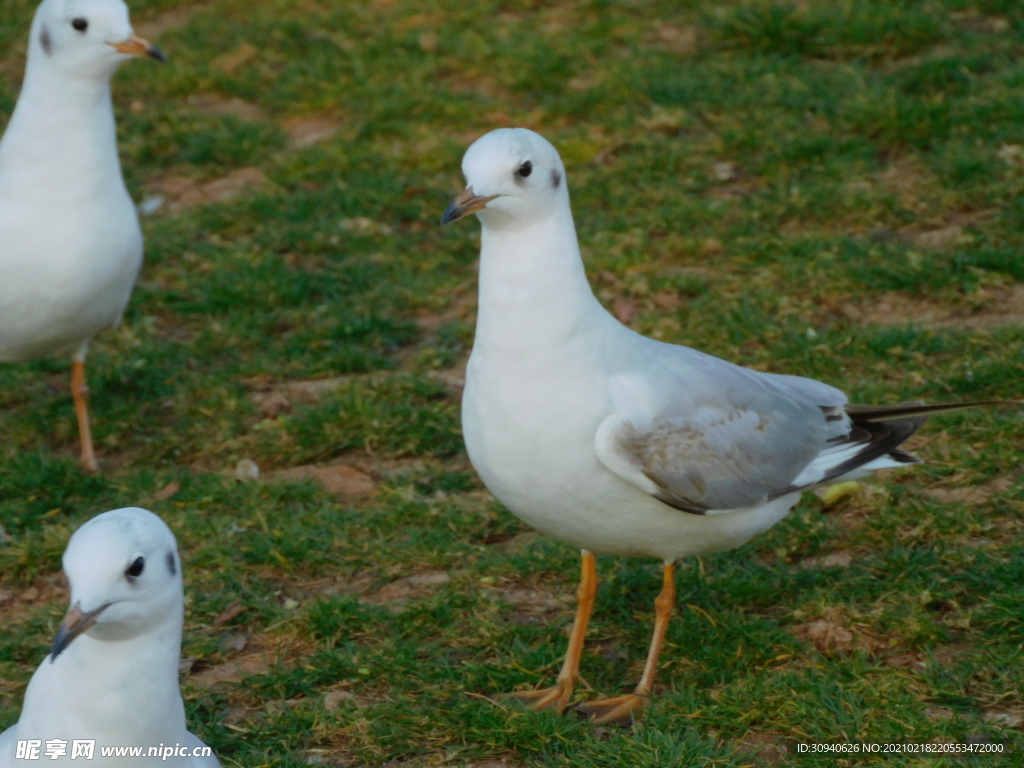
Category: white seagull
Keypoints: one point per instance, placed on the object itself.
(112, 675)
(70, 243)
(613, 442)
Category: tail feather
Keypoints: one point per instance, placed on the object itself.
(904, 410)
(876, 431)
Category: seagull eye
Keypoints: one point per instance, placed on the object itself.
(135, 569)
(80, 24)
(525, 169)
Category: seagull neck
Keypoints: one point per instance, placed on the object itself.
(62, 129)
(532, 281)
(140, 672)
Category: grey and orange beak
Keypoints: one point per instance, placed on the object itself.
(137, 46)
(466, 203)
(74, 624)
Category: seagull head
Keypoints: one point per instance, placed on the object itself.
(125, 577)
(87, 37)
(513, 176)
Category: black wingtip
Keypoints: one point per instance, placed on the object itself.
(916, 409)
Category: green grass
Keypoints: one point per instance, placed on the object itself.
(852, 133)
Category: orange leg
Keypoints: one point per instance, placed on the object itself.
(620, 710)
(558, 697)
(80, 393)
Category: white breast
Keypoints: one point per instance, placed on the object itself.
(66, 272)
(70, 243)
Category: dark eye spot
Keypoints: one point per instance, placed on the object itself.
(80, 24)
(170, 563)
(45, 40)
(525, 170)
(135, 569)
(556, 178)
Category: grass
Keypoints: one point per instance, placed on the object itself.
(827, 189)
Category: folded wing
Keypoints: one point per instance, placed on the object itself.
(733, 438)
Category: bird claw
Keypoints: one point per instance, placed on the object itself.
(556, 698)
(619, 710)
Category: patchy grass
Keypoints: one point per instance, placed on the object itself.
(831, 190)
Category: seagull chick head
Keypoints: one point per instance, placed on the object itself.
(86, 38)
(125, 577)
(513, 176)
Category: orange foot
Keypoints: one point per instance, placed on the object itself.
(556, 698)
(620, 710)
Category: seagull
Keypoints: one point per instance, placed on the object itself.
(616, 443)
(112, 674)
(70, 243)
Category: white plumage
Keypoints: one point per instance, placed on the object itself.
(70, 243)
(112, 675)
(616, 443)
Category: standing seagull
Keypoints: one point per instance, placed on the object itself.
(70, 243)
(616, 443)
(112, 675)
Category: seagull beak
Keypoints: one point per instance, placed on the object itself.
(463, 205)
(137, 46)
(74, 624)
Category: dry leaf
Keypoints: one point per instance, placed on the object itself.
(1011, 153)
(234, 184)
(234, 671)
(272, 403)
(624, 310)
(181, 192)
(1006, 307)
(235, 641)
(411, 586)
(834, 560)
(767, 749)
(827, 636)
(228, 614)
(334, 699)
(428, 41)
(712, 246)
(833, 494)
(337, 478)
(165, 22)
(215, 104)
(1004, 718)
(305, 131)
(972, 494)
(229, 62)
(677, 39)
(167, 491)
(532, 600)
(939, 714)
(947, 237)
(246, 470)
(724, 171)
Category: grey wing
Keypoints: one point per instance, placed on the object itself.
(725, 437)
(716, 459)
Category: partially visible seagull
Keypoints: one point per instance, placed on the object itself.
(616, 443)
(112, 675)
(70, 243)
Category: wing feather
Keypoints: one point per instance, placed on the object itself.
(733, 450)
(701, 434)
